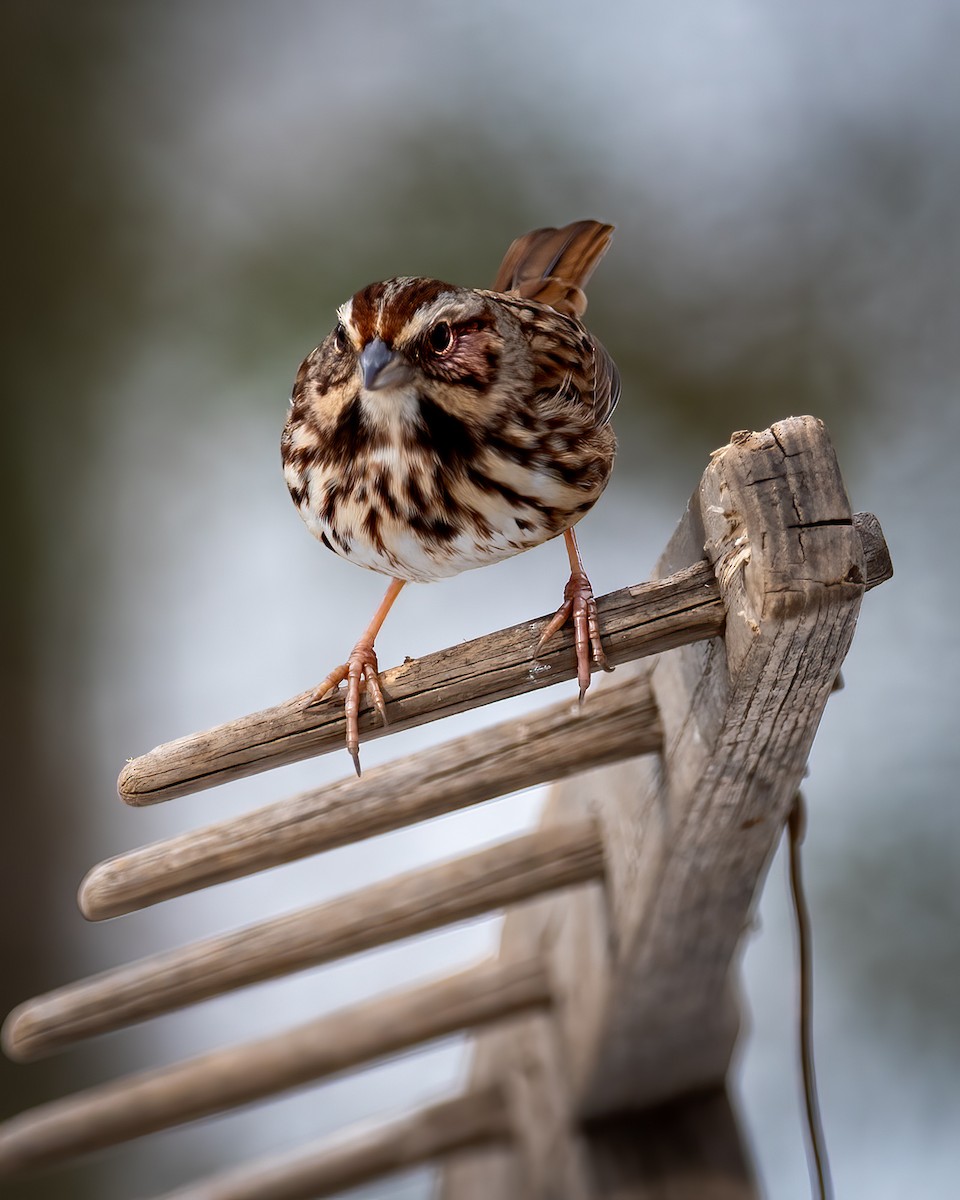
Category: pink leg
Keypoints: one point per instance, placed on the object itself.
(361, 666)
(579, 606)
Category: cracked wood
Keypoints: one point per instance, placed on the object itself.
(636, 621)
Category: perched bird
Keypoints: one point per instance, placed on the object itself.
(440, 428)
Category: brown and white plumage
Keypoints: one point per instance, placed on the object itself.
(439, 428)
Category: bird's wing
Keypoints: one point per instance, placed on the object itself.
(606, 384)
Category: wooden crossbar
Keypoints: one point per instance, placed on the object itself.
(619, 722)
(637, 621)
(225, 1079)
(478, 1119)
(484, 881)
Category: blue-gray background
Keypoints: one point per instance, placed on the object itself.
(190, 190)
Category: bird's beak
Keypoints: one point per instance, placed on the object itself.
(383, 367)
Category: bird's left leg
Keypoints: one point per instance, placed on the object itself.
(580, 607)
(361, 666)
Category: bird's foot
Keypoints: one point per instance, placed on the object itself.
(580, 607)
(360, 667)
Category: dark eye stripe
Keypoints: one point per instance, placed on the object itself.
(472, 361)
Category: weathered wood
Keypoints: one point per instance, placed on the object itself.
(486, 880)
(619, 722)
(480, 1118)
(636, 621)
(689, 835)
(645, 1011)
(876, 555)
(533, 1067)
(688, 1150)
(224, 1079)
(645, 1017)
(691, 1149)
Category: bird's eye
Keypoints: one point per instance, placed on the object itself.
(340, 339)
(441, 338)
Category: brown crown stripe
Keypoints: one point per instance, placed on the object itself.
(384, 309)
(363, 311)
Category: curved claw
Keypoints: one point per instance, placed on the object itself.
(580, 607)
(360, 668)
(556, 622)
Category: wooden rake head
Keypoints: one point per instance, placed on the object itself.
(641, 881)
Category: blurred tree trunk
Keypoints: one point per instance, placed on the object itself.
(60, 295)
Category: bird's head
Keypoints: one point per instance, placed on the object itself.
(405, 339)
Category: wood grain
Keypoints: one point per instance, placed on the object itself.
(750, 616)
(689, 835)
(479, 1118)
(619, 722)
(224, 1079)
(636, 621)
(688, 1150)
(439, 895)
(646, 1013)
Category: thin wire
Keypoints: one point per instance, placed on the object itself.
(820, 1181)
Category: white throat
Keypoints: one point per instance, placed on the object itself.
(391, 410)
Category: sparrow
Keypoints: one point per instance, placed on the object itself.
(438, 428)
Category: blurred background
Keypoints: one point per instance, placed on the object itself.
(191, 189)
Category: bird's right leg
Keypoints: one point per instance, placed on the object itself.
(360, 666)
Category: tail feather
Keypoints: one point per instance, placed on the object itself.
(553, 266)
